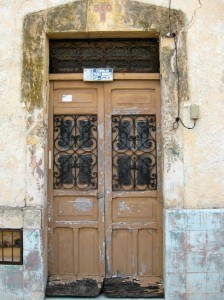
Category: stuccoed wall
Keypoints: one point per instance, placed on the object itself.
(193, 167)
(203, 148)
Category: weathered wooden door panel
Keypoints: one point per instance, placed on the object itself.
(76, 227)
(106, 225)
(133, 208)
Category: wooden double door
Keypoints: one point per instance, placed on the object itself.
(105, 211)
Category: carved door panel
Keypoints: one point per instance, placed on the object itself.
(133, 209)
(76, 227)
(105, 208)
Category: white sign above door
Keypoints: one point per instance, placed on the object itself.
(98, 74)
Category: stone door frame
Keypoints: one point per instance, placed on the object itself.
(76, 20)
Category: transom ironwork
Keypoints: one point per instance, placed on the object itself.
(123, 55)
(75, 152)
(11, 246)
(134, 152)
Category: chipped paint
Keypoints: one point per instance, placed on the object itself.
(83, 204)
(144, 267)
(173, 154)
(123, 206)
(100, 131)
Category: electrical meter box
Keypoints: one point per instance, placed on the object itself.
(194, 111)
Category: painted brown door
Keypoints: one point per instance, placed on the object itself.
(76, 211)
(105, 209)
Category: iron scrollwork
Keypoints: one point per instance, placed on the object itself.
(75, 152)
(123, 55)
(134, 152)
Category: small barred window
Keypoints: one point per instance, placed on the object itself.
(11, 246)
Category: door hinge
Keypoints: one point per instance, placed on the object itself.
(100, 195)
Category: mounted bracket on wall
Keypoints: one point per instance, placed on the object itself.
(194, 115)
(194, 111)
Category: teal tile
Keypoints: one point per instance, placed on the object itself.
(175, 262)
(11, 268)
(176, 282)
(212, 283)
(215, 263)
(221, 281)
(215, 241)
(175, 241)
(215, 297)
(2, 283)
(13, 282)
(176, 220)
(12, 296)
(175, 296)
(215, 220)
(33, 281)
(196, 240)
(35, 295)
(196, 220)
(196, 262)
(196, 283)
(196, 297)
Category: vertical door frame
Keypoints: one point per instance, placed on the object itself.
(51, 22)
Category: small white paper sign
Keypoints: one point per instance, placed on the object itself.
(66, 98)
(98, 74)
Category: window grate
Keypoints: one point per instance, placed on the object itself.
(11, 246)
(134, 152)
(75, 152)
(123, 55)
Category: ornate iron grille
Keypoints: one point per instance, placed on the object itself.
(134, 152)
(75, 152)
(11, 246)
(123, 55)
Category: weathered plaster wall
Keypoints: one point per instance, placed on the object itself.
(74, 19)
(203, 148)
